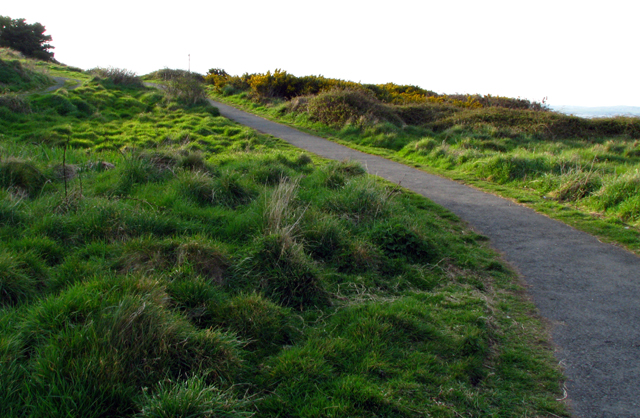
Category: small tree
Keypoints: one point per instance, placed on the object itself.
(26, 38)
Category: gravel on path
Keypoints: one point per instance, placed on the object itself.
(587, 290)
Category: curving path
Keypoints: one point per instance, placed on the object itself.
(589, 291)
(60, 83)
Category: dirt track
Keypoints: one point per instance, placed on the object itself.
(589, 291)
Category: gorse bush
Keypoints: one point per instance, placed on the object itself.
(278, 84)
(283, 85)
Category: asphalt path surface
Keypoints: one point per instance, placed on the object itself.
(587, 290)
(60, 83)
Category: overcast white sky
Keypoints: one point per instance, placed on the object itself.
(582, 53)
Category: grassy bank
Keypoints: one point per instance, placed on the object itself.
(159, 260)
(19, 74)
(583, 172)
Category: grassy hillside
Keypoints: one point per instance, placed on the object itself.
(159, 260)
(582, 171)
(19, 74)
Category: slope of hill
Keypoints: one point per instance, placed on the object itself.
(156, 258)
(17, 74)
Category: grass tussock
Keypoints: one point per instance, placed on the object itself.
(24, 176)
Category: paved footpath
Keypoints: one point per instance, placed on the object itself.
(589, 291)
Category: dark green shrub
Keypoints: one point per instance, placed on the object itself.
(229, 90)
(27, 38)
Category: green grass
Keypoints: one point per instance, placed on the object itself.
(157, 259)
(19, 74)
(583, 172)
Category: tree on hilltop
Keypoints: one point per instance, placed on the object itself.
(26, 38)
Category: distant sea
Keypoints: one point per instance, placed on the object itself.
(598, 112)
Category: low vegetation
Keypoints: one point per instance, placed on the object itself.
(18, 74)
(584, 171)
(159, 260)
